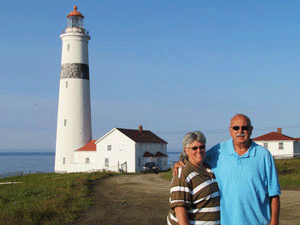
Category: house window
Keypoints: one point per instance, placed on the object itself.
(66, 84)
(87, 160)
(266, 145)
(106, 162)
(108, 147)
(64, 160)
(65, 122)
(121, 147)
(139, 162)
(280, 145)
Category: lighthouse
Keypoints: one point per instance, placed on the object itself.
(74, 127)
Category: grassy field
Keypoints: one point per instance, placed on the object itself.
(289, 173)
(46, 198)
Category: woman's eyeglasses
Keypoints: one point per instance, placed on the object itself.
(236, 128)
(202, 147)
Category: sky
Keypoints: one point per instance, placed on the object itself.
(171, 66)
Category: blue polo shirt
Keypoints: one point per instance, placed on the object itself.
(246, 183)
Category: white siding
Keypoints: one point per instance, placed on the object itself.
(80, 157)
(80, 164)
(273, 147)
(122, 151)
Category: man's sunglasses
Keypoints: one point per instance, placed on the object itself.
(202, 147)
(236, 128)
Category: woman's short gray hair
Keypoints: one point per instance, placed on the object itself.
(188, 139)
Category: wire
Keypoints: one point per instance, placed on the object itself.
(225, 131)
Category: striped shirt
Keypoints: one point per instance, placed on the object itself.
(196, 190)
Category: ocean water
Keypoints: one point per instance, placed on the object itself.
(33, 162)
(27, 162)
(173, 157)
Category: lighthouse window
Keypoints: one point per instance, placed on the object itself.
(68, 47)
(65, 122)
(66, 84)
(64, 160)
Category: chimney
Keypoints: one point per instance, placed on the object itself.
(141, 128)
(279, 130)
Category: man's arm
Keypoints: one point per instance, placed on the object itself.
(275, 207)
(181, 215)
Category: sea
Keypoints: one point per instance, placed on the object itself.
(18, 163)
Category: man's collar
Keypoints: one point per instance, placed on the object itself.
(250, 153)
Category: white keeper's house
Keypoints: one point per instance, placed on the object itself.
(280, 145)
(121, 150)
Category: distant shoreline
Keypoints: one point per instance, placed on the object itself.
(26, 153)
(6, 152)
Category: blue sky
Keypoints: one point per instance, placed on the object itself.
(171, 66)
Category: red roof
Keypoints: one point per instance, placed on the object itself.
(160, 154)
(148, 154)
(143, 136)
(90, 146)
(274, 136)
(75, 13)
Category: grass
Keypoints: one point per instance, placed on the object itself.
(46, 198)
(288, 173)
(167, 175)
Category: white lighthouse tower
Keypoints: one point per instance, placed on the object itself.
(74, 127)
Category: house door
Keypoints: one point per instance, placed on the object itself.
(123, 167)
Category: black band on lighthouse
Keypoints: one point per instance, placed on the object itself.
(75, 70)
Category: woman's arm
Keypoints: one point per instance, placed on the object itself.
(181, 215)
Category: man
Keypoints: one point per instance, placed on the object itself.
(247, 178)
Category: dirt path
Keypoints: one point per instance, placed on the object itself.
(143, 200)
(290, 208)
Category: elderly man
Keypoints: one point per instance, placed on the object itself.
(247, 178)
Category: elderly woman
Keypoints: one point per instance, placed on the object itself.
(194, 194)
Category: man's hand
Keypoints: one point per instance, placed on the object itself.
(177, 165)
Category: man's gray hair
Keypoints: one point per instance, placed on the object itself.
(188, 139)
(243, 115)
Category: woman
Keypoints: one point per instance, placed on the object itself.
(194, 194)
